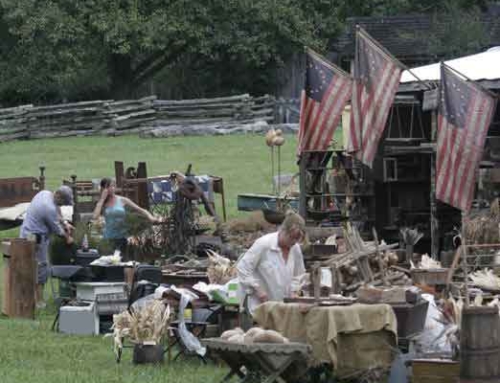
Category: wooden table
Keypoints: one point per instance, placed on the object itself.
(263, 362)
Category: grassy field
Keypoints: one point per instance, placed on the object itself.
(29, 351)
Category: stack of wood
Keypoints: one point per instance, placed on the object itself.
(365, 263)
(129, 116)
(64, 120)
(13, 123)
(212, 115)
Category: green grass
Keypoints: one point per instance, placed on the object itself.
(244, 161)
(29, 351)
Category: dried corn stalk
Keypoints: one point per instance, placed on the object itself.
(220, 269)
(147, 324)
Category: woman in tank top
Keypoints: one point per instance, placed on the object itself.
(112, 207)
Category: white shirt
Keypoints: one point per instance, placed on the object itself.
(264, 267)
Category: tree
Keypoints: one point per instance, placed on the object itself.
(68, 49)
(457, 32)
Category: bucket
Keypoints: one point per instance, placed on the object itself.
(148, 353)
(480, 344)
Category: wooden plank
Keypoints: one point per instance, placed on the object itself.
(204, 100)
(147, 112)
(126, 109)
(72, 105)
(55, 114)
(216, 106)
(225, 112)
(14, 136)
(17, 190)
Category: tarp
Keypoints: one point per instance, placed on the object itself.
(481, 66)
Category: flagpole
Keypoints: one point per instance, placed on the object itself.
(327, 62)
(492, 94)
(392, 57)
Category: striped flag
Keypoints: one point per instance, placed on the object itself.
(326, 92)
(376, 80)
(465, 114)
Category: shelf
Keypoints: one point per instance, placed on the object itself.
(407, 181)
(341, 195)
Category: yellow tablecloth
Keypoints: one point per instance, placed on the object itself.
(355, 337)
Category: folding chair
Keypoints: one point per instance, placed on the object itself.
(197, 326)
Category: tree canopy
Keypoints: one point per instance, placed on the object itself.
(53, 50)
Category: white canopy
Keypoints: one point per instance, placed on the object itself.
(481, 66)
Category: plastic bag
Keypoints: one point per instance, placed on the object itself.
(432, 339)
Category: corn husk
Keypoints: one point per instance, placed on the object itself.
(485, 279)
(220, 269)
(427, 263)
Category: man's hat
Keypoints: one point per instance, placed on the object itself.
(67, 194)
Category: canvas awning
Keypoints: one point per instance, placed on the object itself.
(482, 67)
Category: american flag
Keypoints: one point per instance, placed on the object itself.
(465, 114)
(376, 79)
(326, 92)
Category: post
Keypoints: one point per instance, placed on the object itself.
(434, 220)
(42, 176)
(302, 184)
(76, 216)
(464, 261)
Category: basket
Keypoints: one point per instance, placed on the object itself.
(273, 217)
(429, 277)
(410, 317)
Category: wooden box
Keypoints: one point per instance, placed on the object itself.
(435, 371)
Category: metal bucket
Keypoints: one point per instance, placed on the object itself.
(148, 353)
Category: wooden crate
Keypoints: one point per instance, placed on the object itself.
(435, 371)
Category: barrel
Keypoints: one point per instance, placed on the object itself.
(480, 344)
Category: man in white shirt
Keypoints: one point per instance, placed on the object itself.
(269, 270)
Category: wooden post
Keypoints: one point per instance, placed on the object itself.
(302, 184)
(142, 188)
(20, 279)
(464, 261)
(316, 280)
(42, 176)
(434, 220)
(119, 174)
(76, 216)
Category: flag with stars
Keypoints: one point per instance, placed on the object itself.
(465, 114)
(326, 92)
(376, 80)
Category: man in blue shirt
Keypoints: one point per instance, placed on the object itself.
(44, 218)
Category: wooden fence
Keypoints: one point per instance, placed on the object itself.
(110, 117)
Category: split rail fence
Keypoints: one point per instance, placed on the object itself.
(110, 117)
